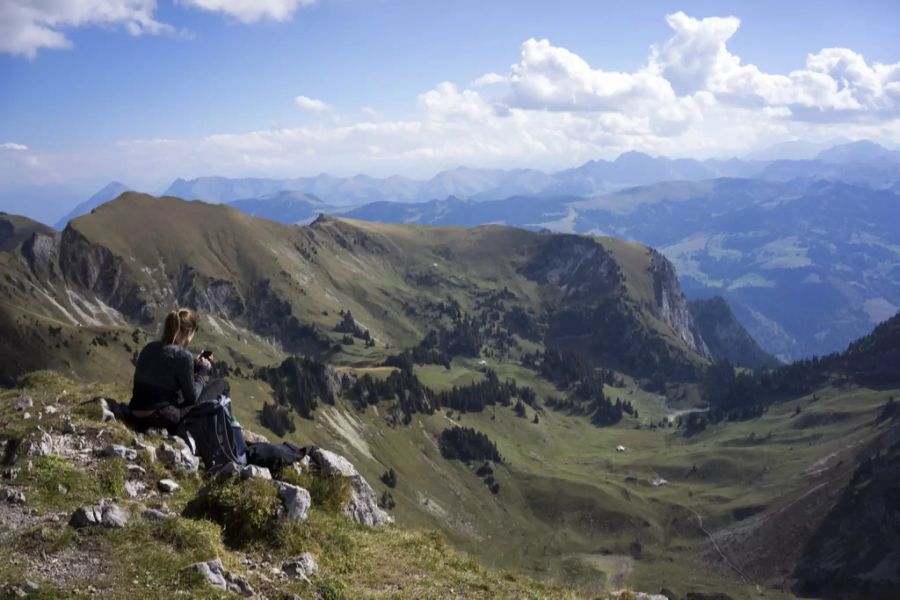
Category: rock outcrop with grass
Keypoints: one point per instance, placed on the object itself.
(91, 508)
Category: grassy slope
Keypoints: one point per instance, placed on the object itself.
(565, 510)
(147, 559)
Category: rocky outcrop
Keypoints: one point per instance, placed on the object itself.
(363, 504)
(94, 268)
(577, 267)
(300, 567)
(180, 458)
(105, 513)
(217, 576)
(295, 501)
(41, 252)
(671, 305)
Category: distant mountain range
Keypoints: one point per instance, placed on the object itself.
(805, 251)
(861, 163)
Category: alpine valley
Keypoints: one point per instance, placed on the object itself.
(550, 402)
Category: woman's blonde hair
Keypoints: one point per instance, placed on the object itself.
(179, 326)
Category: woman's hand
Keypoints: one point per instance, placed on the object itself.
(204, 364)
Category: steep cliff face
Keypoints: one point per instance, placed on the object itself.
(15, 229)
(592, 309)
(672, 306)
(725, 337)
(92, 268)
(855, 553)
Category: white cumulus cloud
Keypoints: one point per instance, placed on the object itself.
(691, 96)
(313, 104)
(27, 26)
(251, 11)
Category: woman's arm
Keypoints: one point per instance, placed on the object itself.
(190, 379)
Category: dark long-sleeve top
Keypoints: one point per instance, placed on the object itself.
(166, 374)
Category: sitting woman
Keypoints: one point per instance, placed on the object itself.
(168, 379)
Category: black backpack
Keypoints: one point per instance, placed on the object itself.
(218, 437)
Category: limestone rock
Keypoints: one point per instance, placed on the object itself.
(253, 471)
(119, 451)
(168, 486)
(300, 567)
(135, 471)
(13, 496)
(244, 471)
(133, 488)
(216, 575)
(252, 437)
(178, 458)
(106, 514)
(22, 402)
(295, 501)
(363, 505)
(115, 517)
(636, 595)
(45, 444)
(153, 515)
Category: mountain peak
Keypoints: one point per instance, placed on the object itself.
(110, 191)
(857, 152)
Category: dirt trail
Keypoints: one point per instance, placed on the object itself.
(718, 549)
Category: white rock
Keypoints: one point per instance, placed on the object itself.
(180, 458)
(106, 514)
(12, 496)
(22, 402)
(135, 470)
(300, 567)
(168, 486)
(51, 410)
(295, 501)
(216, 575)
(363, 504)
(119, 451)
(253, 471)
(134, 488)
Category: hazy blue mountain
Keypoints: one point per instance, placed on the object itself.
(223, 189)
(285, 207)
(590, 179)
(862, 151)
(791, 150)
(110, 191)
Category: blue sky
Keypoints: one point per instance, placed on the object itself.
(206, 87)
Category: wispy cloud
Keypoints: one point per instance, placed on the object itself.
(251, 11)
(27, 26)
(13, 146)
(312, 104)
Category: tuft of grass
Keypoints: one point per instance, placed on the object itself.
(330, 493)
(197, 537)
(247, 510)
(111, 475)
